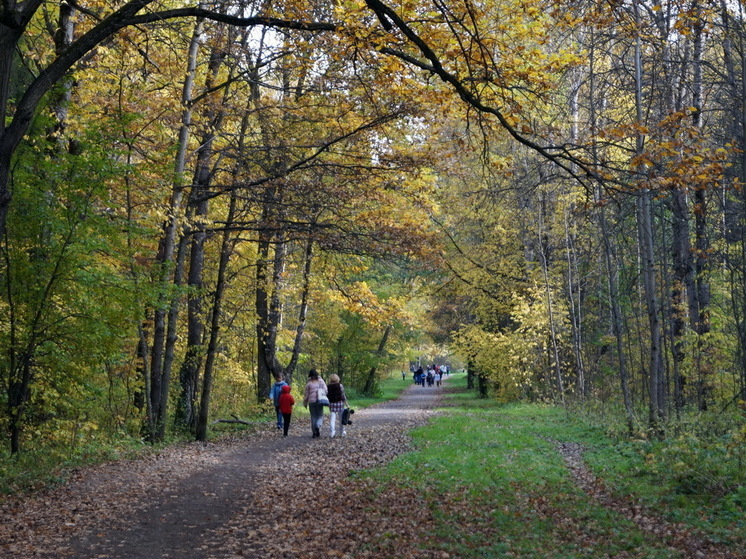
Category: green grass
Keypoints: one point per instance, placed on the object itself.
(494, 483)
(681, 480)
(388, 389)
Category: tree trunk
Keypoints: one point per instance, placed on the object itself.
(186, 412)
(268, 314)
(682, 292)
(159, 370)
(370, 382)
(20, 365)
(576, 308)
(226, 251)
(555, 356)
(647, 251)
(617, 326)
(302, 311)
(702, 241)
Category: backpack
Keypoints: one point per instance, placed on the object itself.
(276, 391)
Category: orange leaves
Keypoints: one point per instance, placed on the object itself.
(676, 155)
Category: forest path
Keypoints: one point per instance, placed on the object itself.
(187, 501)
(263, 495)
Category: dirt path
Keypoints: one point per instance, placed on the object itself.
(195, 500)
(266, 496)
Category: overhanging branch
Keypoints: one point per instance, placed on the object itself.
(575, 167)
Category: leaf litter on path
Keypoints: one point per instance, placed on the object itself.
(262, 495)
(205, 500)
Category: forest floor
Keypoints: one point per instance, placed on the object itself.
(264, 495)
(248, 496)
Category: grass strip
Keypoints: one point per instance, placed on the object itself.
(491, 483)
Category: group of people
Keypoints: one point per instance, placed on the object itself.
(316, 396)
(432, 376)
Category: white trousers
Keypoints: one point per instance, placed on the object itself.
(333, 424)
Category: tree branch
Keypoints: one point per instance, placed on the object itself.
(557, 155)
(256, 21)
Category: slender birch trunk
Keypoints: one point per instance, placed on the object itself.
(647, 253)
(160, 374)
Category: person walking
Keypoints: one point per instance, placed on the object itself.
(286, 408)
(274, 395)
(337, 403)
(314, 387)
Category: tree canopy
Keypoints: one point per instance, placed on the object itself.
(195, 199)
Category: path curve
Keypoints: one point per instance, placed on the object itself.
(180, 502)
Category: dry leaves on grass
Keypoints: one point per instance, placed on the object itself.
(678, 537)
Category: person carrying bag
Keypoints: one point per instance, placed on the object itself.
(337, 403)
(315, 387)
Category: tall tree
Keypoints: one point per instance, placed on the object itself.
(19, 103)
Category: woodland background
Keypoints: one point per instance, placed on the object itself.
(196, 197)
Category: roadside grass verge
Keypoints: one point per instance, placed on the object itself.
(492, 484)
(388, 389)
(694, 478)
(37, 468)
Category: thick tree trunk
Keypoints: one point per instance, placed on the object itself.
(267, 317)
(159, 370)
(186, 412)
(189, 371)
(470, 375)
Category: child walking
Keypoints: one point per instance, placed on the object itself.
(274, 395)
(286, 408)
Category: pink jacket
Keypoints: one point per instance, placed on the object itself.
(311, 394)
